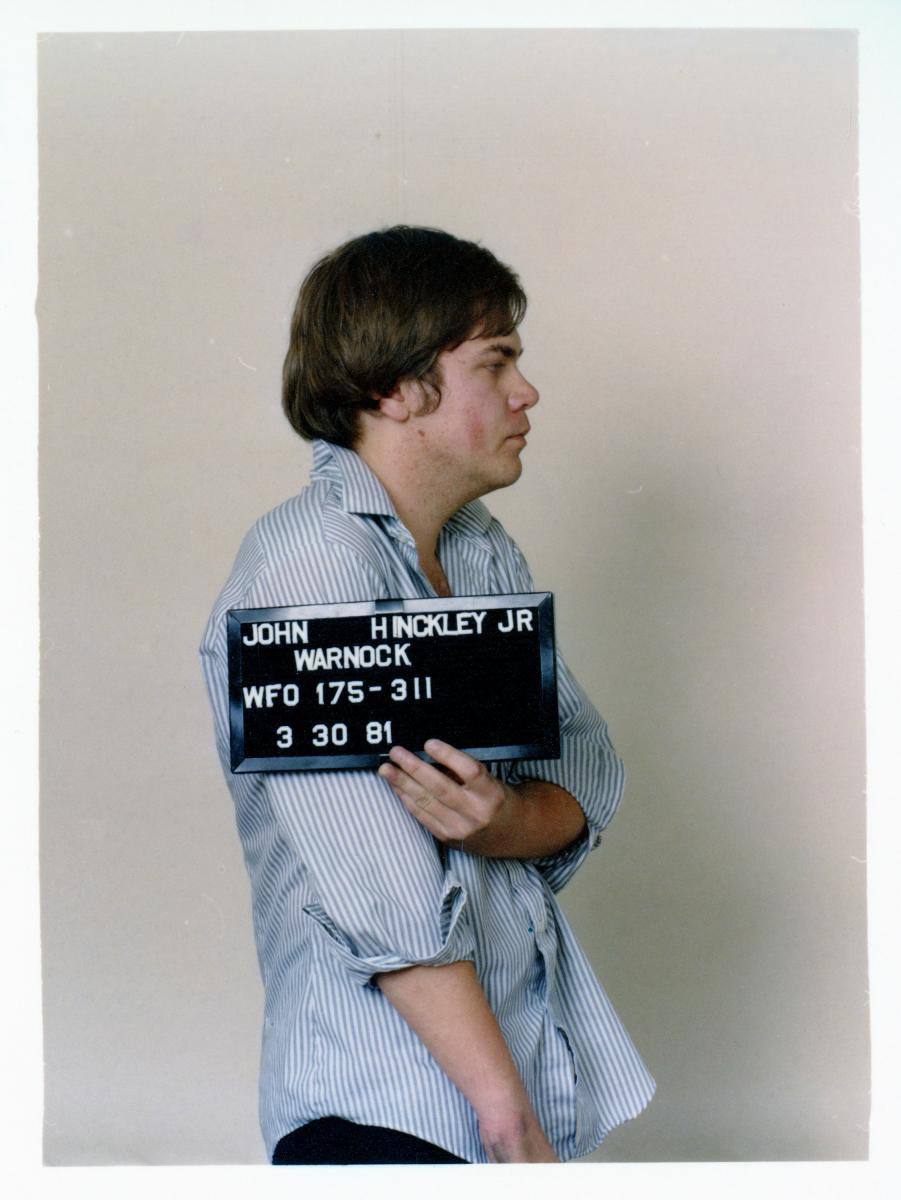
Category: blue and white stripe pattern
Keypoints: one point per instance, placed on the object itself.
(346, 883)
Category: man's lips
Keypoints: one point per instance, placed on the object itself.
(522, 434)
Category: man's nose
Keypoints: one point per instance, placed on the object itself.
(524, 395)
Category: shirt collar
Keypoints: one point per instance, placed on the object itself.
(359, 488)
(361, 491)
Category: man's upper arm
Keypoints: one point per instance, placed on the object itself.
(380, 891)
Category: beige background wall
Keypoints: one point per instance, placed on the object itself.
(681, 206)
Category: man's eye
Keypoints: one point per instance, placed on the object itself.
(496, 366)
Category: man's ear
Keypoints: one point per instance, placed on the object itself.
(403, 401)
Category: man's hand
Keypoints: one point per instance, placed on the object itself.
(455, 803)
(463, 805)
(526, 1143)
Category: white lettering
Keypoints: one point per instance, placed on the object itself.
(402, 626)
(265, 697)
(267, 634)
(517, 619)
(437, 624)
(331, 658)
(352, 656)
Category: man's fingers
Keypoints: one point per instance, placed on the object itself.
(453, 798)
(425, 801)
(464, 766)
(429, 778)
(425, 806)
(416, 792)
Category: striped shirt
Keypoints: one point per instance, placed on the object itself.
(346, 884)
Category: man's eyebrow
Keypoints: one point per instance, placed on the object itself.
(504, 349)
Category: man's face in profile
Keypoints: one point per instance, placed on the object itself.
(476, 434)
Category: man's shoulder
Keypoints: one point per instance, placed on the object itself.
(310, 550)
(314, 525)
(299, 521)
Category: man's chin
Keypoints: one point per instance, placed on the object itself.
(506, 477)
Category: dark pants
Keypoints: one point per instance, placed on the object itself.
(332, 1141)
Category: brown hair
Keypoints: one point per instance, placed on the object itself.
(380, 309)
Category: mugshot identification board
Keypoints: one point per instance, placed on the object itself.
(318, 687)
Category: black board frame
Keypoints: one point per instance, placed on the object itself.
(542, 603)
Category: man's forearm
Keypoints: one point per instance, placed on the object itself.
(538, 818)
(459, 801)
(448, 1010)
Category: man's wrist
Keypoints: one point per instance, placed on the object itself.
(515, 1136)
(535, 818)
(495, 837)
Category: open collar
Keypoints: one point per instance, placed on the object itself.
(359, 490)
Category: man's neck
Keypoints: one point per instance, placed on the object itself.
(423, 503)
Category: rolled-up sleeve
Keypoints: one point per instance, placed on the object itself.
(380, 890)
(383, 895)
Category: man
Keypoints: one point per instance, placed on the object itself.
(426, 1000)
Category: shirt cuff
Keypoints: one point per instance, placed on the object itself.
(595, 781)
(453, 939)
